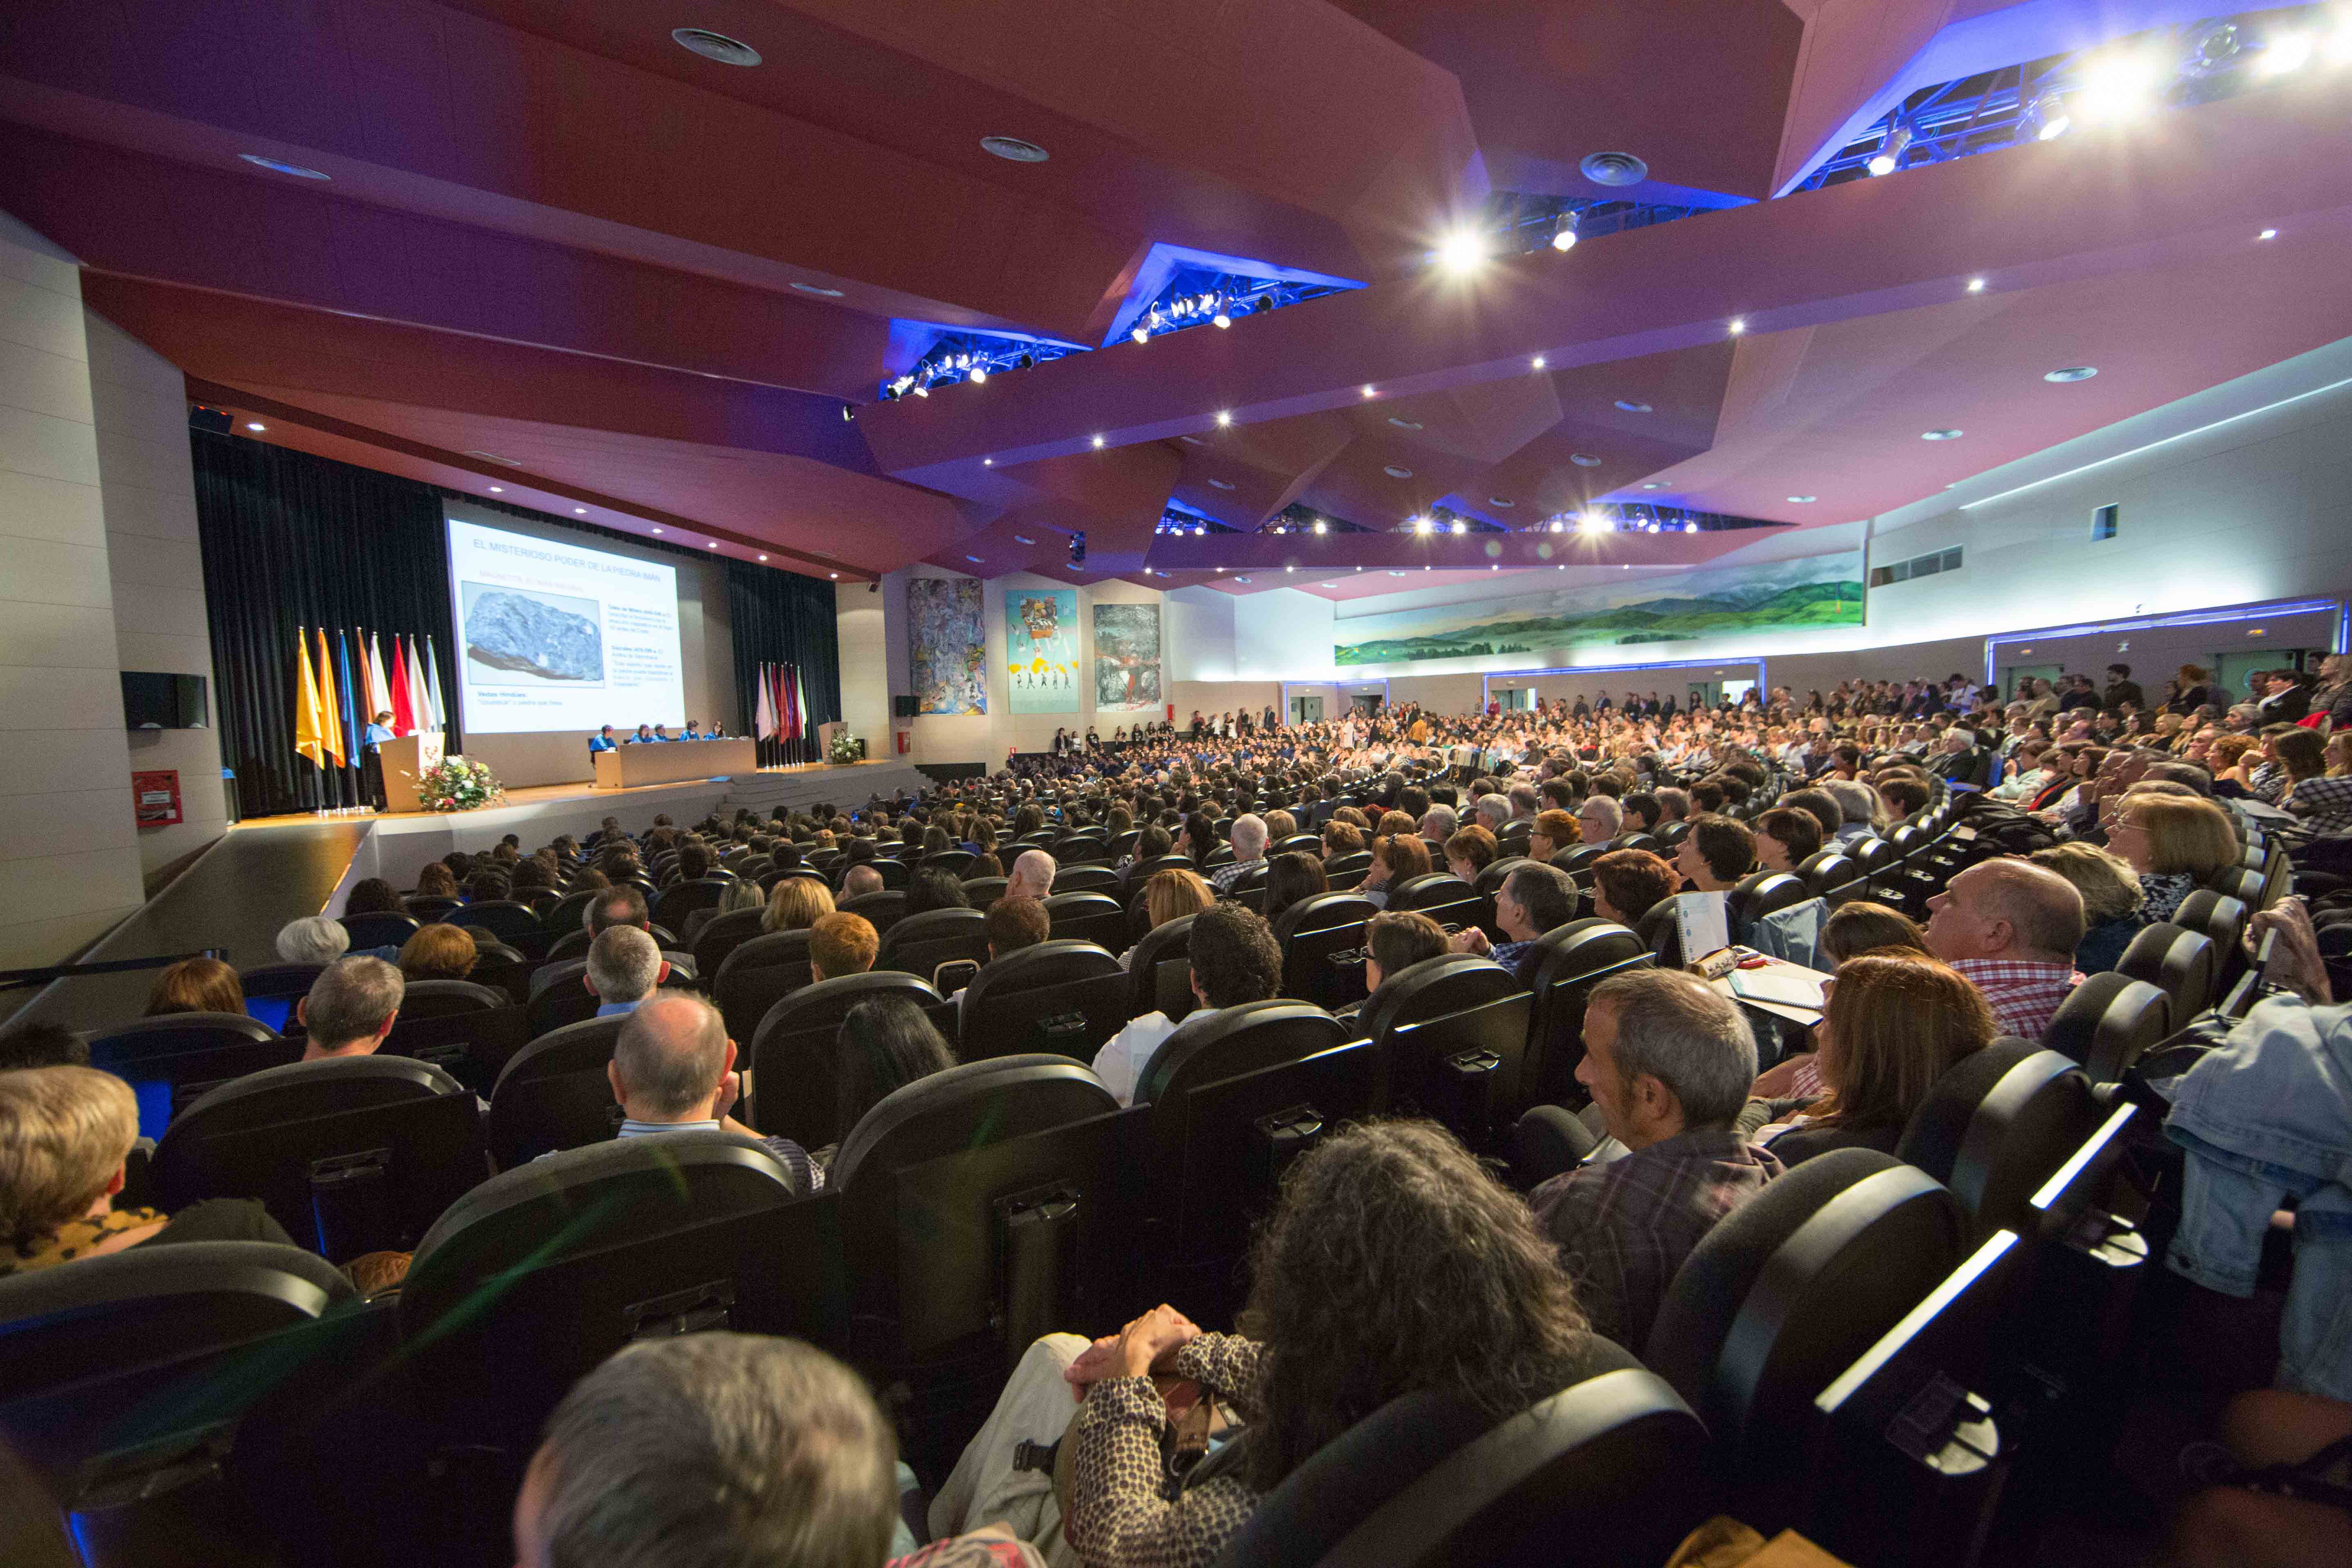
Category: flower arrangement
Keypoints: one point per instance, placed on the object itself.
(455, 783)
(847, 748)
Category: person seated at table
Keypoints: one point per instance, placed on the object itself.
(601, 740)
(196, 986)
(644, 735)
(661, 733)
(693, 731)
(1894, 1022)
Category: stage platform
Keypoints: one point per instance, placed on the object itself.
(267, 870)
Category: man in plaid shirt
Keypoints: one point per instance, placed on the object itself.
(1669, 1062)
(2012, 927)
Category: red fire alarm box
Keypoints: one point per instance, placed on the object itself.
(155, 797)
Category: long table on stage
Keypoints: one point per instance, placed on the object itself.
(675, 762)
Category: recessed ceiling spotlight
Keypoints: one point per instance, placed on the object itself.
(1801, 501)
(1098, 441)
(1237, 577)
(1014, 148)
(1940, 435)
(712, 543)
(1652, 485)
(1460, 526)
(1220, 321)
(716, 47)
(1495, 568)
(978, 374)
(819, 290)
(1690, 528)
(1225, 416)
(1392, 472)
(1976, 285)
(582, 511)
(1318, 526)
(1420, 525)
(1500, 501)
(1631, 406)
(280, 166)
(1614, 168)
(255, 425)
(1537, 362)
(1221, 484)
(1739, 325)
(2266, 234)
(498, 490)
(1404, 424)
(1584, 459)
(1370, 391)
(1462, 252)
(837, 574)
(988, 462)
(1290, 568)
(577, 509)
(1140, 334)
(2074, 373)
(1396, 574)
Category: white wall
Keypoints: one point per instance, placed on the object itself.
(1283, 635)
(69, 854)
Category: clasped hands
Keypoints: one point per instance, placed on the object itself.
(1146, 1346)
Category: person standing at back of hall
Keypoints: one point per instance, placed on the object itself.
(379, 730)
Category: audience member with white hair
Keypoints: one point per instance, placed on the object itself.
(673, 1070)
(313, 939)
(1248, 838)
(1033, 876)
(624, 965)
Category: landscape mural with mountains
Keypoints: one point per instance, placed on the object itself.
(1707, 602)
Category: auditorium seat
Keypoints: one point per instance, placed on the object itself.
(794, 1091)
(967, 1201)
(1143, 870)
(429, 908)
(443, 998)
(1058, 997)
(1160, 971)
(954, 862)
(1450, 1034)
(721, 934)
(575, 944)
(1082, 848)
(280, 983)
(921, 944)
(380, 930)
(2223, 922)
(567, 914)
(2249, 888)
(1762, 893)
(756, 975)
(1613, 1472)
(172, 1059)
(882, 910)
(350, 1154)
(1994, 1127)
(540, 1273)
(554, 1093)
(1078, 879)
(1568, 961)
(511, 922)
(1322, 941)
(1345, 872)
(1783, 1294)
(2177, 962)
(1086, 916)
(2107, 1022)
(501, 967)
(1670, 835)
(1636, 840)
(1248, 888)
(1306, 844)
(1442, 896)
(1577, 860)
(677, 902)
(1830, 874)
(894, 873)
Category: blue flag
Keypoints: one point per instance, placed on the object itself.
(351, 706)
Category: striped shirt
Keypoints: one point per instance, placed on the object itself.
(2324, 804)
(2024, 996)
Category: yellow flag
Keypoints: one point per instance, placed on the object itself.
(330, 711)
(307, 730)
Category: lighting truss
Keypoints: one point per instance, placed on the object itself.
(1299, 518)
(959, 356)
(1517, 221)
(2172, 68)
(1197, 297)
(1644, 517)
(1177, 520)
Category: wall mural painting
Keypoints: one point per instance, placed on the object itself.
(1707, 602)
(1126, 659)
(947, 645)
(1041, 649)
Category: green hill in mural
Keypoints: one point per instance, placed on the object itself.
(1807, 605)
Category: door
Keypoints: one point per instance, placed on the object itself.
(2013, 675)
(1365, 703)
(2231, 669)
(1306, 710)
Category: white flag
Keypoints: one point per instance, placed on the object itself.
(764, 726)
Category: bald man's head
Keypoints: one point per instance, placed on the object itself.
(2005, 907)
(862, 879)
(670, 1058)
(1033, 874)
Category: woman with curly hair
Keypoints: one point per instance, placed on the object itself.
(1393, 1265)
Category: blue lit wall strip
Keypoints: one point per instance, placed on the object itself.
(2268, 610)
(1346, 689)
(1487, 685)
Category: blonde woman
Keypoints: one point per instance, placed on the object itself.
(2174, 842)
(796, 903)
(2112, 898)
(1171, 895)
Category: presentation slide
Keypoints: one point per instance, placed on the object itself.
(562, 637)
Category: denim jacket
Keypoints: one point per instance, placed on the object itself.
(2267, 1116)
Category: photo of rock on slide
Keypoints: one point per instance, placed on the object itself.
(547, 637)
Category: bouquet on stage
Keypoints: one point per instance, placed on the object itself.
(848, 747)
(456, 784)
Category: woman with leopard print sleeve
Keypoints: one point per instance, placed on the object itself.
(1393, 1264)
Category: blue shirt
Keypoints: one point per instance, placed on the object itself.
(374, 734)
(612, 1009)
(602, 743)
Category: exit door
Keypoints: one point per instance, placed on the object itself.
(2013, 675)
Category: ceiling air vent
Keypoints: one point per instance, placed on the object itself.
(717, 47)
(1013, 147)
(1614, 169)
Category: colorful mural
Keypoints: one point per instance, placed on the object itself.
(1126, 659)
(1705, 601)
(947, 645)
(1041, 649)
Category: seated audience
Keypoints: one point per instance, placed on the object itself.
(1894, 1022)
(1033, 876)
(673, 1070)
(1716, 854)
(842, 943)
(1396, 857)
(884, 1044)
(196, 986)
(860, 880)
(1600, 819)
(1786, 838)
(2111, 901)
(1249, 835)
(1171, 895)
(64, 1135)
(1553, 832)
(2174, 843)
(1534, 899)
(624, 965)
(1340, 838)
(313, 939)
(1234, 959)
(1627, 883)
(1669, 1062)
(2012, 927)
(440, 952)
(1290, 878)
(38, 1043)
(351, 1008)
(374, 896)
(1860, 805)
(936, 890)
(1859, 926)
(1470, 851)
(1396, 940)
(434, 881)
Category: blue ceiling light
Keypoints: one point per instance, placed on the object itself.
(1645, 517)
(923, 355)
(1178, 287)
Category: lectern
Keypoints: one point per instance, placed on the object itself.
(406, 758)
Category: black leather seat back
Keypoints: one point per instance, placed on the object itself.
(1160, 971)
(380, 929)
(511, 922)
(881, 911)
(1345, 872)
(287, 980)
(795, 1087)
(2107, 1023)
(1451, 1034)
(2223, 922)
(1788, 1289)
(2177, 962)
(920, 943)
(1084, 879)
(1570, 962)
(191, 1052)
(1762, 893)
(1322, 942)
(554, 1093)
(952, 862)
(1057, 998)
(757, 975)
(1442, 896)
(681, 899)
(722, 934)
(1088, 916)
(446, 998)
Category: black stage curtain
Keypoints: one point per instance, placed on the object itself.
(783, 617)
(291, 540)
